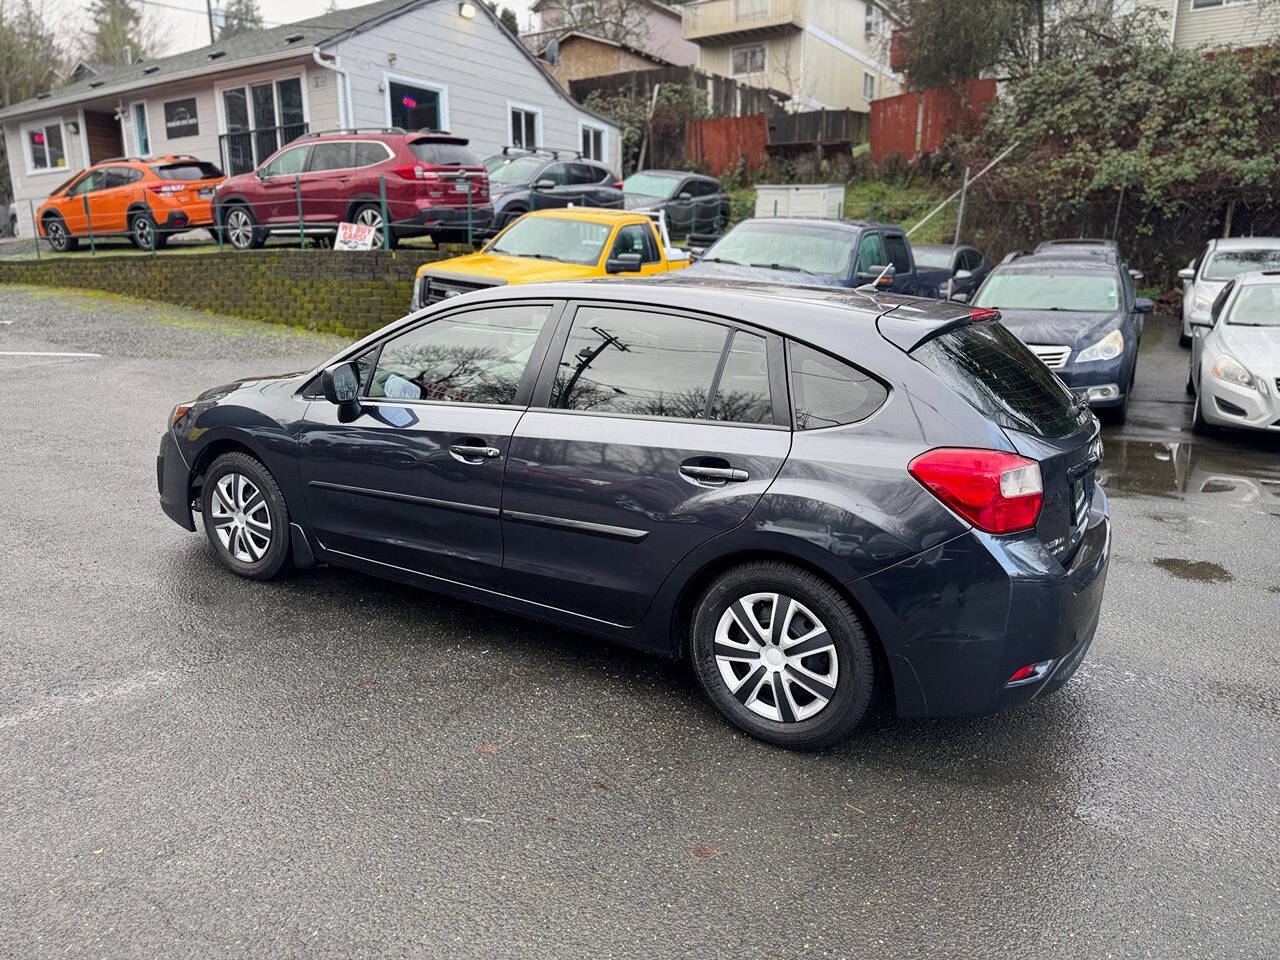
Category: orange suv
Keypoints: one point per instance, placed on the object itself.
(143, 198)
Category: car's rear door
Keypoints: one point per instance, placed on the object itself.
(651, 431)
(324, 184)
(109, 206)
(415, 480)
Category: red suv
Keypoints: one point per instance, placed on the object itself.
(328, 178)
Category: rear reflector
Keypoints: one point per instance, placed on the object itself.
(995, 491)
(980, 314)
(1030, 673)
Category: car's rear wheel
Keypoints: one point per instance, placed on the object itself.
(245, 516)
(242, 233)
(60, 239)
(783, 655)
(370, 215)
(144, 233)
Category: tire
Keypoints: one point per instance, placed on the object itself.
(141, 228)
(813, 712)
(1184, 340)
(370, 215)
(510, 216)
(1199, 425)
(242, 232)
(237, 535)
(60, 239)
(1191, 387)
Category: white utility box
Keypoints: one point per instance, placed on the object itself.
(824, 200)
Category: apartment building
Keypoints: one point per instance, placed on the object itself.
(1220, 23)
(831, 54)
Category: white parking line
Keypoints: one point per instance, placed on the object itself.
(45, 353)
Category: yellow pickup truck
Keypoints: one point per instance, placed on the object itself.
(563, 244)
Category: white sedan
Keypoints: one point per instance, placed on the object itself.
(1235, 356)
(1218, 262)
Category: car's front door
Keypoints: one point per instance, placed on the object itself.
(77, 209)
(415, 480)
(274, 199)
(650, 433)
(638, 238)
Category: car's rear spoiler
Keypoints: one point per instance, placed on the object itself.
(912, 322)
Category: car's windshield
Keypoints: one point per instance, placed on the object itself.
(1225, 264)
(931, 257)
(651, 184)
(550, 238)
(507, 171)
(1044, 290)
(783, 246)
(1257, 305)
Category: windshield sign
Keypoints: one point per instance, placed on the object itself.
(1226, 264)
(1256, 306)
(547, 238)
(778, 246)
(1078, 291)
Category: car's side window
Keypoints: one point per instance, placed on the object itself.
(583, 173)
(1220, 301)
(871, 253)
(827, 392)
(333, 155)
(91, 181)
(122, 177)
(289, 163)
(898, 253)
(636, 238)
(557, 173)
(742, 393)
(474, 357)
(638, 363)
(1127, 280)
(369, 152)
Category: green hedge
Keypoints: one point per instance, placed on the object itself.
(348, 293)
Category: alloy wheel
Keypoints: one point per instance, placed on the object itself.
(56, 234)
(240, 517)
(370, 217)
(239, 229)
(142, 232)
(776, 657)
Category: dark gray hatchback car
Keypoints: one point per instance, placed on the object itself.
(810, 493)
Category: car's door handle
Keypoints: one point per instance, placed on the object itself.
(474, 453)
(716, 474)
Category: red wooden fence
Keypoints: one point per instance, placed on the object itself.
(914, 123)
(718, 144)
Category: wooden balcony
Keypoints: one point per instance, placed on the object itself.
(725, 20)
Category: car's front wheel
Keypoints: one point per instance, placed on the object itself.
(783, 655)
(55, 231)
(1199, 425)
(241, 231)
(245, 516)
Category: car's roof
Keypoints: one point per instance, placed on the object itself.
(1046, 262)
(941, 247)
(1247, 243)
(591, 215)
(1258, 278)
(1077, 242)
(835, 226)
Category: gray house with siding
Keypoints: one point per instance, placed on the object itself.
(441, 64)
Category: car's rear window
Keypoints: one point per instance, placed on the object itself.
(186, 172)
(444, 154)
(996, 373)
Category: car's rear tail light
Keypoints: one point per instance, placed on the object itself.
(166, 189)
(995, 491)
(981, 314)
(617, 184)
(416, 171)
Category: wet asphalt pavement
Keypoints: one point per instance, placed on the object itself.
(330, 765)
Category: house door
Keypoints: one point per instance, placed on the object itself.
(102, 131)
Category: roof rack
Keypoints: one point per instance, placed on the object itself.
(351, 130)
(554, 153)
(1013, 255)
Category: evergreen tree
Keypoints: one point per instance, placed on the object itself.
(31, 61)
(119, 33)
(242, 16)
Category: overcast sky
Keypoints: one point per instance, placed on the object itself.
(186, 25)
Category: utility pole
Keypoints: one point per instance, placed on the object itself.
(208, 7)
(587, 357)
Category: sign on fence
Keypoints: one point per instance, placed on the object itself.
(354, 236)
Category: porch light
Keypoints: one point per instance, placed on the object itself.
(467, 10)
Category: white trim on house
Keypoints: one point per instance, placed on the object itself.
(853, 52)
(43, 124)
(441, 90)
(84, 139)
(133, 122)
(538, 140)
(604, 138)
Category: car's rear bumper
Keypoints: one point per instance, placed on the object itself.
(450, 219)
(959, 620)
(174, 481)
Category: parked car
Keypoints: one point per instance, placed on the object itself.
(958, 269)
(788, 486)
(1220, 261)
(1235, 356)
(524, 180)
(833, 253)
(433, 184)
(147, 199)
(1080, 315)
(693, 202)
(554, 245)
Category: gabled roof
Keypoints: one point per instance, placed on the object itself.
(257, 46)
(563, 36)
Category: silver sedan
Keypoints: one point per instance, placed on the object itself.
(1235, 356)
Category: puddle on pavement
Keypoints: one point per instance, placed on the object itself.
(1200, 570)
(1246, 473)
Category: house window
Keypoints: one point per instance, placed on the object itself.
(45, 150)
(873, 25)
(524, 127)
(414, 107)
(748, 59)
(868, 86)
(141, 133)
(592, 142)
(259, 120)
(1206, 4)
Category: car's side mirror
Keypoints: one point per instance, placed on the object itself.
(623, 263)
(1207, 324)
(1187, 273)
(1135, 274)
(340, 384)
(685, 197)
(261, 173)
(963, 274)
(960, 297)
(545, 185)
(880, 273)
(1144, 305)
